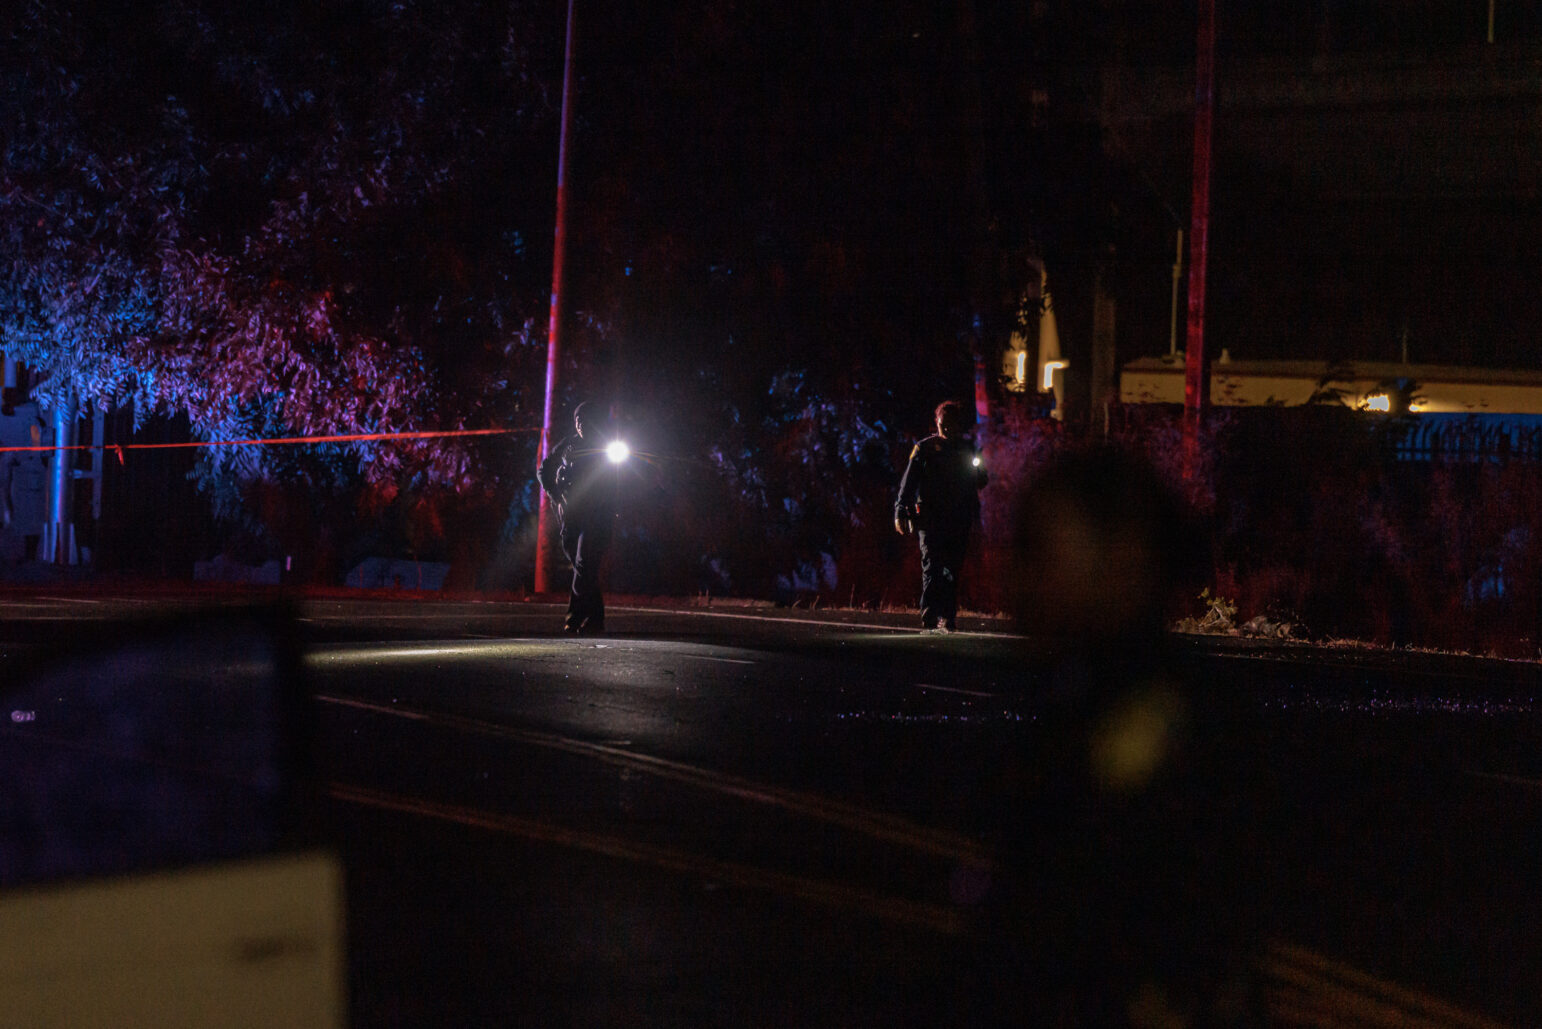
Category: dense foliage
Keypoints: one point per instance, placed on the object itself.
(1343, 525)
(274, 218)
(332, 218)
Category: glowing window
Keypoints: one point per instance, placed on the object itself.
(1050, 367)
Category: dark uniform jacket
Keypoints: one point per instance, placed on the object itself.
(941, 487)
(580, 479)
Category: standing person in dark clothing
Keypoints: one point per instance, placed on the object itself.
(580, 477)
(939, 498)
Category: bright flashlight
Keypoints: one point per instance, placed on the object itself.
(976, 461)
(617, 451)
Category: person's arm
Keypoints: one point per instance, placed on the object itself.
(547, 472)
(910, 483)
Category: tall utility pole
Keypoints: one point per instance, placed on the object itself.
(1196, 378)
(545, 550)
(976, 200)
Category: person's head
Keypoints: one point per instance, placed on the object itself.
(584, 416)
(950, 419)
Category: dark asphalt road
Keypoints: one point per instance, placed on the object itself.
(768, 818)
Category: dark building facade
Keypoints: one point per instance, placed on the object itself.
(1375, 180)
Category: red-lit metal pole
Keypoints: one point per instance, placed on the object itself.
(545, 542)
(1196, 378)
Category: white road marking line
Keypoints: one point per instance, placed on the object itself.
(1318, 985)
(514, 610)
(724, 660)
(875, 824)
(475, 644)
(898, 630)
(954, 689)
(840, 895)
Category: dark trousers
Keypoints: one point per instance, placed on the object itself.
(942, 560)
(585, 544)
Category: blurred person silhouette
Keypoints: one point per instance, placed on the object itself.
(939, 498)
(581, 481)
(1123, 894)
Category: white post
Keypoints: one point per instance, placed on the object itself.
(58, 529)
(1172, 328)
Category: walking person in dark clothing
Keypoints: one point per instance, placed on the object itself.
(939, 497)
(580, 477)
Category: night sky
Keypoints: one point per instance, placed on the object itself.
(819, 187)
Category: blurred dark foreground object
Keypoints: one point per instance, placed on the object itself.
(1128, 881)
(158, 863)
(1101, 545)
